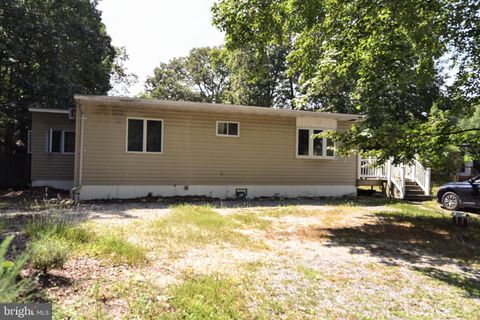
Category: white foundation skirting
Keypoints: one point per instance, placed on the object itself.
(90, 192)
(57, 184)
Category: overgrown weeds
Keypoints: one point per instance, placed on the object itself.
(53, 238)
(48, 253)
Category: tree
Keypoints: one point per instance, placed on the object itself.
(121, 80)
(259, 77)
(201, 76)
(244, 76)
(380, 58)
(49, 51)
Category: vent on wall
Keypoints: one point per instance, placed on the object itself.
(72, 112)
(241, 193)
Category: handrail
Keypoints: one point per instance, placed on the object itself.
(396, 174)
(422, 176)
(398, 178)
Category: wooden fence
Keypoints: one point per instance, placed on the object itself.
(15, 170)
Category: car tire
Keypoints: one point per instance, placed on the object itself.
(451, 201)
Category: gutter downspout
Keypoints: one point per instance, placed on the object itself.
(82, 125)
(76, 190)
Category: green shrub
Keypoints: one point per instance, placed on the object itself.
(11, 288)
(48, 253)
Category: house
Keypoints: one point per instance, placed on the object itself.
(128, 148)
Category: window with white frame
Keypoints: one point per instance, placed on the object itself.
(61, 141)
(228, 129)
(144, 135)
(309, 145)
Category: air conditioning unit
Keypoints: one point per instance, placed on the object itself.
(72, 112)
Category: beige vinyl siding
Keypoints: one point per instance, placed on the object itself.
(263, 154)
(53, 166)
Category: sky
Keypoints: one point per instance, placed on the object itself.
(155, 31)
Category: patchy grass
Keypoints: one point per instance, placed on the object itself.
(117, 250)
(208, 297)
(335, 259)
(194, 226)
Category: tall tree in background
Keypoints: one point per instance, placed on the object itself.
(120, 79)
(49, 51)
(380, 58)
(258, 77)
(202, 76)
(246, 76)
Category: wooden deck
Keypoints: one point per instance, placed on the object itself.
(398, 180)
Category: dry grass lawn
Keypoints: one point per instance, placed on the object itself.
(329, 259)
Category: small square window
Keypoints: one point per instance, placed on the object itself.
(233, 129)
(222, 128)
(228, 129)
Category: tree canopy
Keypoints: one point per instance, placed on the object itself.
(49, 51)
(242, 76)
(201, 76)
(389, 60)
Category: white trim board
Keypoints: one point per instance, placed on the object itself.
(57, 184)
(91, 192)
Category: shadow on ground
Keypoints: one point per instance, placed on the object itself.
(431, 244)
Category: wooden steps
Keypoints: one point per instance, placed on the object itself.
(413, 192)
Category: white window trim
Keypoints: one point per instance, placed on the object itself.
(144, 143)
(227, 135)
(310, 145)
(62, 141)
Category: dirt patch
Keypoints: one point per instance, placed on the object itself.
(17, 199)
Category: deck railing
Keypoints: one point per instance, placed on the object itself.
(397, 175)
(397, 178)
(369, 168)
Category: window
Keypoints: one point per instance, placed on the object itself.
(303, 139)
(309, 147)
(68, 142)
(144, 135)
(228, 129)
(60, 141)
(29, 141)
(56, 142)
